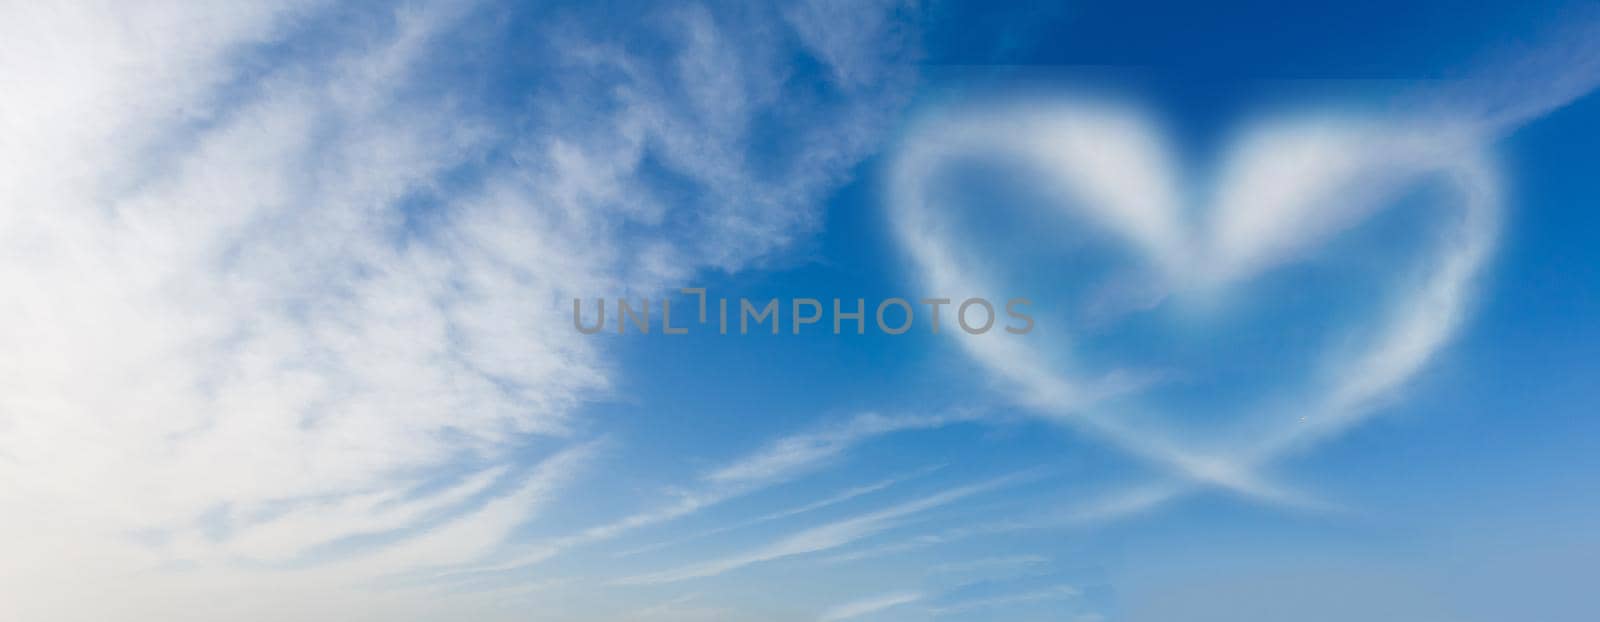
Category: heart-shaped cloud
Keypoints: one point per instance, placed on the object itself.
(1283, 187)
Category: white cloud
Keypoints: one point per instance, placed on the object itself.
(823, 537)
(840, 497)
(1285, 186)
(1276, 196)
(1059, 592)
(868, 606)
(800, 452)
(783, 460)
(988, 564)
(255, 305)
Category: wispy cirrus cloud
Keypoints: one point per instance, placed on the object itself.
(823, 537)
(841, 497)
(1058, 592)
(292, 269)
(284, 337)
(780, 461)
(868, 606)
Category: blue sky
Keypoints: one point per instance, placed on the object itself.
(292, 332)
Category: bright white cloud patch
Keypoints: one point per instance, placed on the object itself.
(270, 267)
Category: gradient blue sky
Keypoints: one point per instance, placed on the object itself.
(291, 335)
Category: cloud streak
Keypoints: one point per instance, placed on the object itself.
(780, 461)
(868, 606)
(841, 497)
(821, 538)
